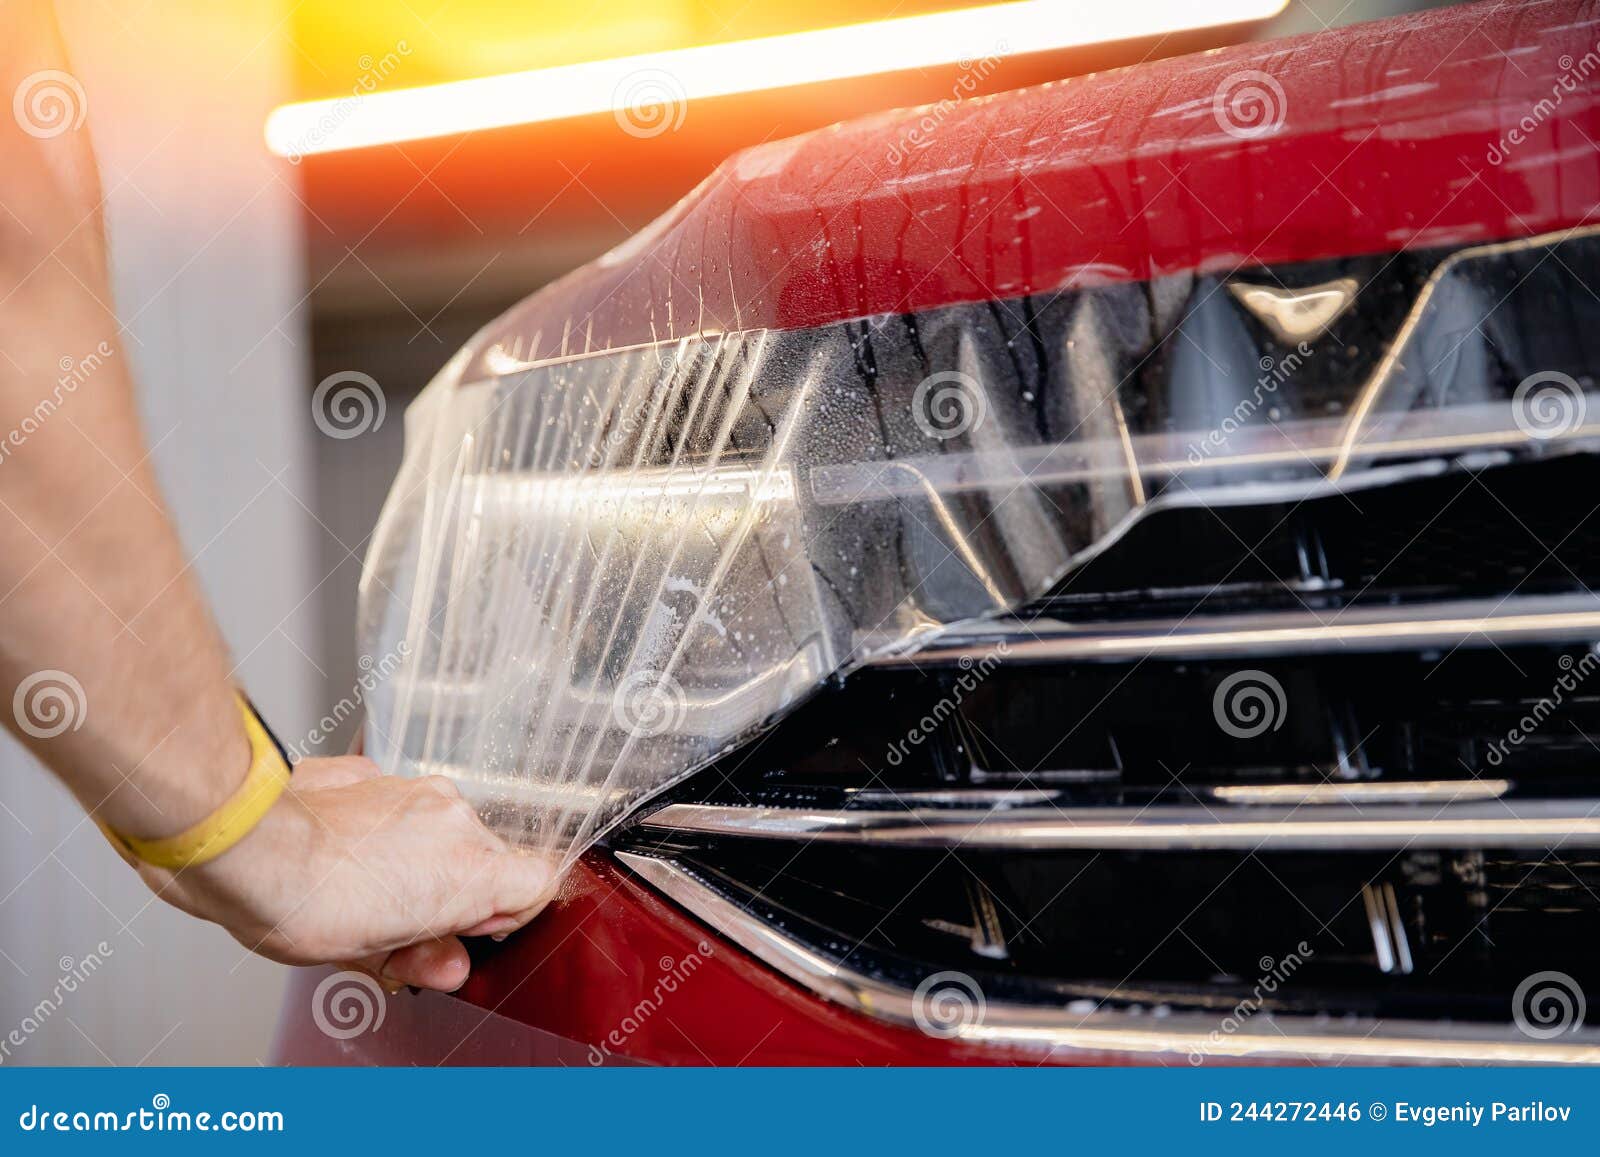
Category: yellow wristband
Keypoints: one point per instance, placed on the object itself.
(230, 823)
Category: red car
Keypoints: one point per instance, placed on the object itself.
(1165, 502)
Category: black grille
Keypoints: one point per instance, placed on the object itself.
(1403, 931)
(1528, 528)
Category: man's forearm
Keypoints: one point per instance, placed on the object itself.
(95, 585)
(93, 582)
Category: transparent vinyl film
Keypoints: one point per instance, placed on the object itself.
(605, 570)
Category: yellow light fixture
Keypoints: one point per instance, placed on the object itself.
(649, 91)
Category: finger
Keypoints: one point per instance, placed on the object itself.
(373, 967)
(441, 784)
(441, 965)
(500, 926)
(497, 926)
(524, 882)
(495, 889)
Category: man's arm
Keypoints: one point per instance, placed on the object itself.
(94, 586)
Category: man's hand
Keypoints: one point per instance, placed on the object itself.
(359, 867)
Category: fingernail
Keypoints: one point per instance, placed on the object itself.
(388, 981)
(499, 936)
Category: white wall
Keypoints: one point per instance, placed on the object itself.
(206, 249)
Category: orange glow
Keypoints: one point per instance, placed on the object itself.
(648, 92)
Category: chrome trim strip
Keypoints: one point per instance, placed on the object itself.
(1462, 429)
(996, 797)
(1383, 375)
(1558, 618)
(1376, 791)
(1115, 1034)
(1340, 826)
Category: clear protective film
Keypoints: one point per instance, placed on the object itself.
(628, 535)
(607, 570)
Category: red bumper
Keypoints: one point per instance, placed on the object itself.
(584, 985)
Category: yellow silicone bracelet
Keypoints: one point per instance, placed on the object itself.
(230, 823)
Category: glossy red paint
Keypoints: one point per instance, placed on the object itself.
(1388, 139)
